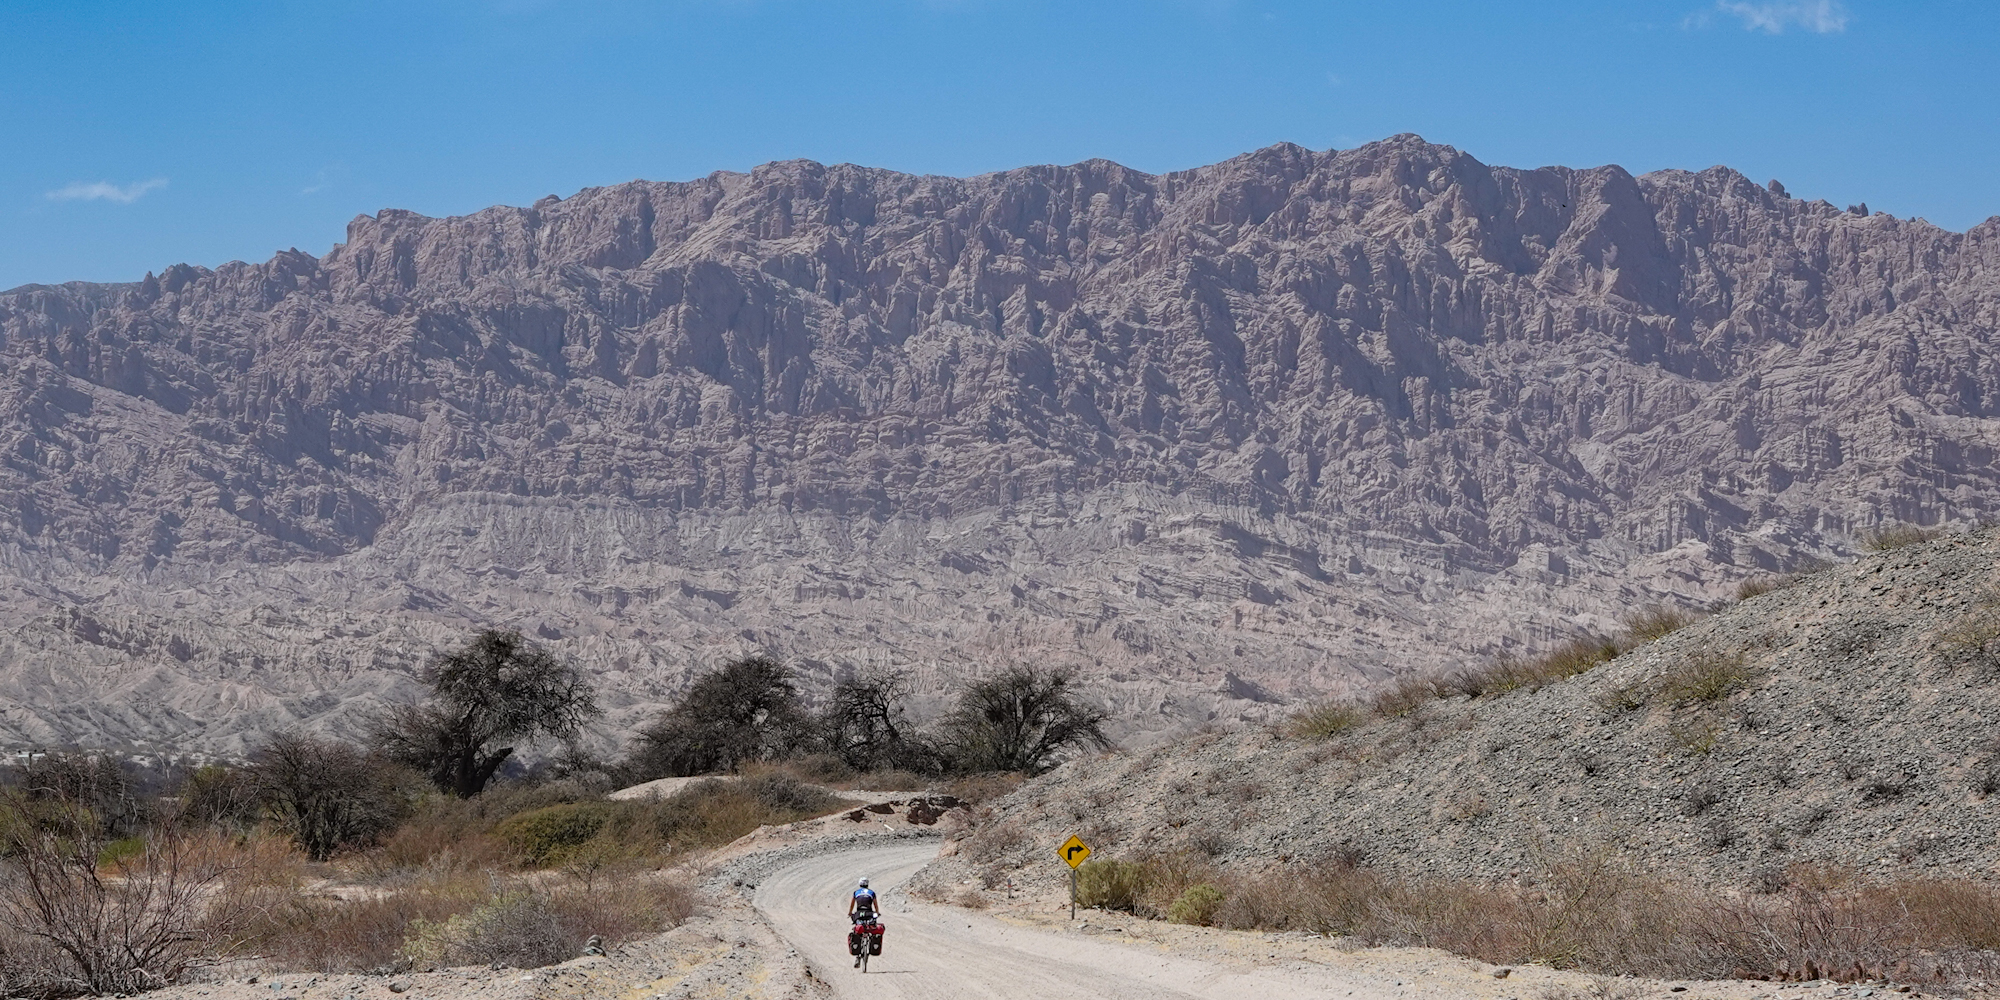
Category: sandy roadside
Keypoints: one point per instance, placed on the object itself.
(770, 927)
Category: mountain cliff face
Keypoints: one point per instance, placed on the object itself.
(1218, 438)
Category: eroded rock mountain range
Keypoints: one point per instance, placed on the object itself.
(1219, 438)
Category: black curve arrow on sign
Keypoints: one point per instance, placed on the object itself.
(1072, 851)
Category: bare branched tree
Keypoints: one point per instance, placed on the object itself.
(325, 793)
(498, 688)
(95, 781)
(865, 724)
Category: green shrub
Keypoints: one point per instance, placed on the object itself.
(547, 836)
(1111, 884)
(119, 850)
(1197, 905)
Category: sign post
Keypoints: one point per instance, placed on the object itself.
(1073, 852)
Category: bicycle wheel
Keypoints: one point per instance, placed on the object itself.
(864, 960)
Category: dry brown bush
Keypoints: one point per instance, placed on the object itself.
(1758, 586)
(1656, 622)
(1509, 673)
(974, 789)
(1325, 720)
(1895, 536)
(459, 917)
(993, 841)
(1406, 695)
(74, 922)
(1705, 676)
(1599, 917)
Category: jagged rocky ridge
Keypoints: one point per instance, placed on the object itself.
(1220, 437)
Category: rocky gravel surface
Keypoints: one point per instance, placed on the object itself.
(1219, 439)
(1850, 719)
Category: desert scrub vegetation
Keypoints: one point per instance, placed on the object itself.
(77, 917)
(1655, 623)
(1705, 676)
(1700, 678)
(1896, 536)
(445, 917)
(437, 844)
(1406, 695)
(1510, 673)
(1181, 886)
(144, 895)
(1591, 914)
(1325, 720)
(520, 874)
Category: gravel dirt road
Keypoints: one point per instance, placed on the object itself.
(935, 952)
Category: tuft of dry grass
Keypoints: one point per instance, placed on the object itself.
(1599, 988)
(1705, 677)
(1896, 536)
(1325, 720)
(1656, 622)
(975, 789)
(1567, 660)
(1407, 694)
(1971, 637)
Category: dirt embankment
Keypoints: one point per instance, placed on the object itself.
(1847, 720)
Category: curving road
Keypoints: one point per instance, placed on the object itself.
(935, 952)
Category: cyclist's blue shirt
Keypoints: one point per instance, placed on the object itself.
(864, 899)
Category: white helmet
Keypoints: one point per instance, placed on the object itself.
(864, 881)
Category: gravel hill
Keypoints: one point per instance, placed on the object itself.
(1851, 719)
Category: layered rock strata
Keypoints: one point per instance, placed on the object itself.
(1219, 438)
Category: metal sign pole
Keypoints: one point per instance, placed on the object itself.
(1072, 894)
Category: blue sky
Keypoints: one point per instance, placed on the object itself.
(137, 135)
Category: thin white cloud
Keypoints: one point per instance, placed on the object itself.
(106, 191)
(328, 176)
(1774, 16)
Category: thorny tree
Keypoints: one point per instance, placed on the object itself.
(1023, 720)
(498, 689)
(748, 710)
(864, 723)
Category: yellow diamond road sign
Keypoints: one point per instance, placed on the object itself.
(1073, 851)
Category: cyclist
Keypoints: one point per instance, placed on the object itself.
(861, 909)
